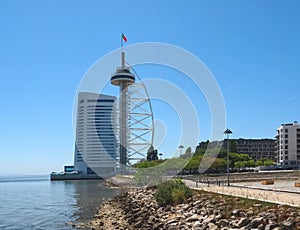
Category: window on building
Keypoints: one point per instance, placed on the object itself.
(285, 141)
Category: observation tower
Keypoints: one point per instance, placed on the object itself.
(123, 78)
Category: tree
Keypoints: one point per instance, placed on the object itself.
(265, 162)
(245, 164)
(232, 146)
(201, 150)
(148, 164)
(219, 165)
(193, 164)
(188, 151)
(222, 153)
(239, 164)
(152, 154)
(268, 162)
(236, 157)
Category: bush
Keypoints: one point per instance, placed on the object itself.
(178, 196)
(172, 192)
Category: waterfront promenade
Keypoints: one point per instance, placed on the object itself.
(240, 190)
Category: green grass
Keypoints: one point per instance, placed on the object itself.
(231, 203)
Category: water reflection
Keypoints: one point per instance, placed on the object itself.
(88, 195)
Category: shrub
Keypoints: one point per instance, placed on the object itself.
(172, 192)
(178, 196)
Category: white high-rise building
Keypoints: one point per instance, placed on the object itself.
(96, 145)
(287, 147)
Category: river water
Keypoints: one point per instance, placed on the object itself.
(35, 202)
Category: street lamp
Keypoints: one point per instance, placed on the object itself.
(227, 131)
(160, 155)
(180, 147)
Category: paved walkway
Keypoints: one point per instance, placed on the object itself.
(251, 193)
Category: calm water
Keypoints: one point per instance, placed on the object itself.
(29, 202)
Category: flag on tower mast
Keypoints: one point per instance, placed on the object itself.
(124, 37)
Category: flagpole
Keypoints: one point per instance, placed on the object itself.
(121, 42)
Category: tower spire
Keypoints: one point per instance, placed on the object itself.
(123, 60)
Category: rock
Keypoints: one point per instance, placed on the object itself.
(287, 225)
(158, 226)
(261, 227)
(218, 217)
(271, 226)
(255, 223)
(222, 223)
(151, 219)
(167, 209)
(242, 214)
(236, 212)
(179, 217)
(197, 224)
(210, 219)
(212, 226)
(194, 217)
(185, 207)
(210, 210)
(171, 221)
(196, 203)
(250, 213)
(243, 222)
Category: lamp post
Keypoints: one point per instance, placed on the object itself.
(181, 147)
(160, 155)
(227, 132)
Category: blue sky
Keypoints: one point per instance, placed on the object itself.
(251, 47)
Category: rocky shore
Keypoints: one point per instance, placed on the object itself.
(137, 209)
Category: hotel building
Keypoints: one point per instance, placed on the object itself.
(96, 145)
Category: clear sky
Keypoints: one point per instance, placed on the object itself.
(251, 47)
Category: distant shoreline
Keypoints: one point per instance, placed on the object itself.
(24, 178)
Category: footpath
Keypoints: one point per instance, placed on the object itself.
(279, 197)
